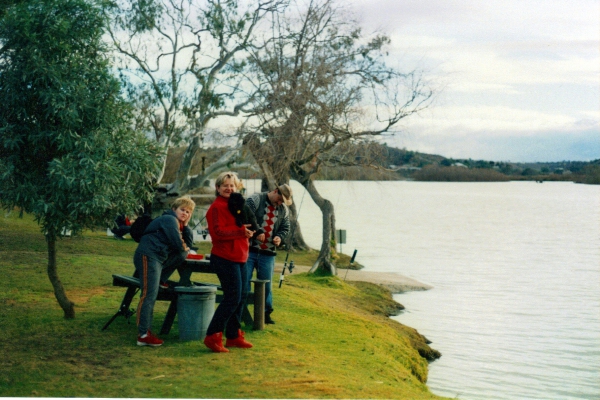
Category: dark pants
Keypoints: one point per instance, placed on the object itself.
(228, 315)
(151, 272)
(121, 231)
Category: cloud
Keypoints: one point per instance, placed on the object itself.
(515, 73)
(540, 146)
(467, 119)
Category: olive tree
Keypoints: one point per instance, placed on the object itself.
(326, 85)
(67, 153)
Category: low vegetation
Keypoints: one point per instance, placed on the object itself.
(459, 174)
(332, 339)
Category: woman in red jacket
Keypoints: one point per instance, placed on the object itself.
(228, 256)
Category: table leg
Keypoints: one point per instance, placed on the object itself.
(169, 318)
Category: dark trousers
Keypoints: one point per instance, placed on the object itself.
(151, 272)
(121, 231)
(228, 315)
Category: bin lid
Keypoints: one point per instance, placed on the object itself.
(195, 289)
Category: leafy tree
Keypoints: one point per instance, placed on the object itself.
(325, 85)
(67, 152)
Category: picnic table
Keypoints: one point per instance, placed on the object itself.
(132, 283)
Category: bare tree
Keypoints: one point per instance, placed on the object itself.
(325, 85)
(185, 64)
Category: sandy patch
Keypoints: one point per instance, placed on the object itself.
(396, 283)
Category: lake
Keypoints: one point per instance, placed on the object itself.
(515, 266)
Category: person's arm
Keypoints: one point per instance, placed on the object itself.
(252, 203)
(170, 227)
(188, 236)
(219, 229)
(251, 219)
(284, 227)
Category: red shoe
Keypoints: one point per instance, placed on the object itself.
(164, 285)
(238, 341)
(215, 343)
(149, 340)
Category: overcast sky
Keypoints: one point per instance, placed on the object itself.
(520, 79)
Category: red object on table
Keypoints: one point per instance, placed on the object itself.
(195, 256)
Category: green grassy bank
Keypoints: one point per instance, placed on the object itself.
(332, 339)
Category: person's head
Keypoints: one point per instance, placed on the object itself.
(281, 195)
(183, 207)
(227, 183)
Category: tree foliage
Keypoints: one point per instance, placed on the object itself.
(67, 152)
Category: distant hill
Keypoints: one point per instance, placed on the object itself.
(381, 162)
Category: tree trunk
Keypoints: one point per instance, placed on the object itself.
(185, 183)
(296, 240)
(182, 177)
(323, 262)
(59, 291)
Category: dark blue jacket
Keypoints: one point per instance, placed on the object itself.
(162, 238)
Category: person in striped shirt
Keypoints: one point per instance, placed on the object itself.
(272, 215)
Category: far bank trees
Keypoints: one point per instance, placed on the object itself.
(67, 152)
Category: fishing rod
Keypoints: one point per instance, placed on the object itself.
(351, 262)
(203, 231)
(285, 265)
(291, 266)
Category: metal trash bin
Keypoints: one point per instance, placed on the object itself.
(195, 309)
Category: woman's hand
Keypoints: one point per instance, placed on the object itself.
(261, 237)
(249, 233)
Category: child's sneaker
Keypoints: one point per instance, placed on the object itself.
(164, 285)
(149, 340)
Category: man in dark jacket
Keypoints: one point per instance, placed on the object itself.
(163, 247)
(272, 216)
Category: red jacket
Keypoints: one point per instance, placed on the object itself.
(229, 241)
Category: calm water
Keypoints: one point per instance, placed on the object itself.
(515, 266)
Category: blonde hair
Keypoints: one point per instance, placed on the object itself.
(185, 202)
(227, 175)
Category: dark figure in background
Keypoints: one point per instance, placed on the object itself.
(123, 226)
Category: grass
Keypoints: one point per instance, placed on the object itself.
(300, 257)
(332, 339)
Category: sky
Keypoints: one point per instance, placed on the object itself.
(515, 80)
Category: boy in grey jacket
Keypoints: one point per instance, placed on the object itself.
(163, 247)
